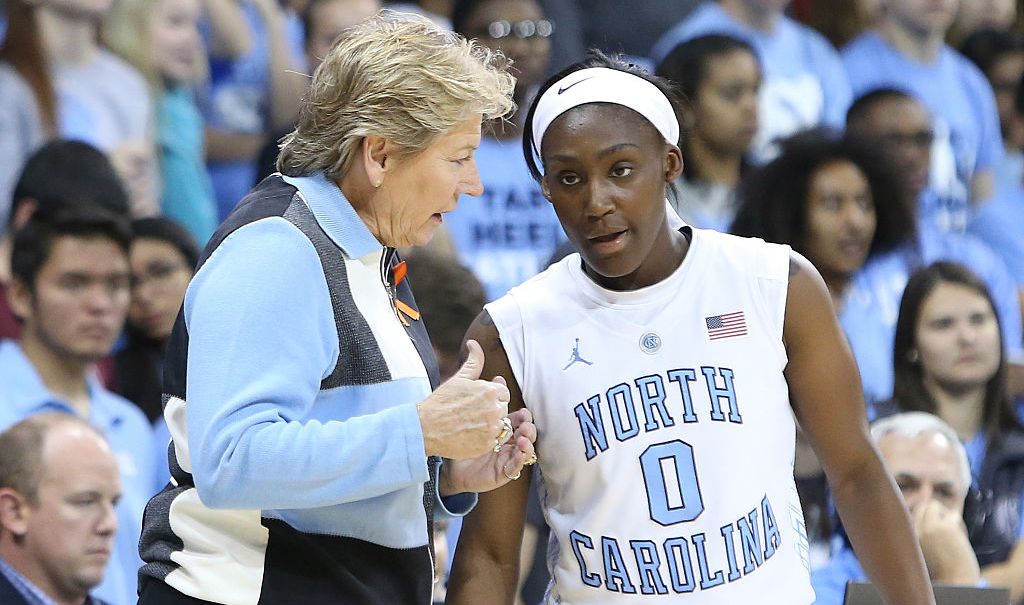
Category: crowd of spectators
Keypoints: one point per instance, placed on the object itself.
(881, 139)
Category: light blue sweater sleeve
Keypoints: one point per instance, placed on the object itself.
(261, 338)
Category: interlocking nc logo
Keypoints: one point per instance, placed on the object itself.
(575, 357)
(650, 343)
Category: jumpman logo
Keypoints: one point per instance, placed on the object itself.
(575, 357)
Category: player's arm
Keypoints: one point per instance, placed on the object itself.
(826, 392)
(486, 565)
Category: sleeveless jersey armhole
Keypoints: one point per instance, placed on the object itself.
(508, 319)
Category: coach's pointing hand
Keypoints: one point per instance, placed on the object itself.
(463, 417)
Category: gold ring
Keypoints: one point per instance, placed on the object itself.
(531, 460)
(504, 435)
(504, 471)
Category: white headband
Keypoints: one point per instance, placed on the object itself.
(604, 85)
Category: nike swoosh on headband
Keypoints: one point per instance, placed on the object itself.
(563, 89)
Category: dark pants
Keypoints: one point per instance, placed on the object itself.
(155, 592)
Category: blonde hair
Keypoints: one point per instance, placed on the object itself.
(397, 76)
(128, 33)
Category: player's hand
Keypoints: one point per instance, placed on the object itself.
(944, 544)
(494, 469)
(463, 417)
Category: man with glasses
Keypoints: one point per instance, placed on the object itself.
(907, 50)
(70, 289)
(900, 126)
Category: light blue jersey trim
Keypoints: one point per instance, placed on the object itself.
(335, 214)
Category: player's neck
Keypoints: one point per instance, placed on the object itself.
(920, 45)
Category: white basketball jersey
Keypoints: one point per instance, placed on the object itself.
(665, 434)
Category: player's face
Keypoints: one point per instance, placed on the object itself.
(925, 468)
(605, 172)
(840, 219)
(726, 112)
(958, 341)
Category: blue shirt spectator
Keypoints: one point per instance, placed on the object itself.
(804, 82)
(509, 233)
(963, 109)
(872, 302)
(23, 394)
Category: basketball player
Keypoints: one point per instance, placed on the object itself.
(667, 458)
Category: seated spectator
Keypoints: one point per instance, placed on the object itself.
(57, 81)
(948, 361)
(507, 234)
(163, 258)
(834, 201)
(721, 78)
(907, 51)
(804, 82)
(161, 39)
(60, 174)
(928, 463)
(898, 125)
(70, 288)
(59, 486)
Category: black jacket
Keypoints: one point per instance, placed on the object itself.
(993, 513)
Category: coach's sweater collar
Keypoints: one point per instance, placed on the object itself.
(335, 214)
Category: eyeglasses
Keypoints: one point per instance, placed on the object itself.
(524, 30)
(158, 274)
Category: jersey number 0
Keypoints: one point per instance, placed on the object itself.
(673, 491)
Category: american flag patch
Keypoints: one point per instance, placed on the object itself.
(726, 325)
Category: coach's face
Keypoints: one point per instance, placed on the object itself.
(412, 193)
